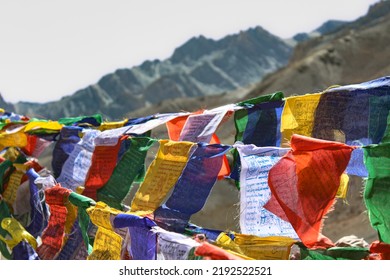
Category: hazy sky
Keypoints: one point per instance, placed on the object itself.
(51, 48)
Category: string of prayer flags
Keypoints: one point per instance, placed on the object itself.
(75, 168)
(190, 195)
(142, 239)
(129, 167)
(304, 184)
(162, 174)
(69, 136)
(256, 163)
(376, 191)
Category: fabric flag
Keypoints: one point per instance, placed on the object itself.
(5, 165)
(376, 191)
(103, 162)
(42, 126)
(175, 127)
(39, 213)
(111, 125)
(258, 123)
(189, 194)
(142, 238)
(53, 235)
(35, 146)
(201, 127)
(15, 180)
(75, 168)
(13, 136)
(162, 174)
(68, 138)
(304, 184)
(172, 245)
(298, 116)
(94, 120)
(131, 164)
(17, 233)
(107, 244)
(210, 234)
(349, 114)
(73, 245)
(334, 253)
(379, 251)
(157, 120)
(4, 213)
(211, 252)
(24, 251)
(258, 248)
(254, 193)
(82, 203)
(379, 109)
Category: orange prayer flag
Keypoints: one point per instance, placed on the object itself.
(304, 184)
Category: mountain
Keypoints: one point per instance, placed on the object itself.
(200, 67)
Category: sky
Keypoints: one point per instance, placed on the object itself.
(52, 48)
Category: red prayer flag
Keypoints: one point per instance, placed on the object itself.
(304, 184)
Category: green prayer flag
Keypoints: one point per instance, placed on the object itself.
(334, 253)
(82, 202)
(129, 168)
(377, 188)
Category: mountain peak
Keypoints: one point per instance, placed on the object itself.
(194, 48)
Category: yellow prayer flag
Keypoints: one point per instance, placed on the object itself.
(13, 136)
(45, 125)
(107, 245)
(258, 248)
(298, 116)
(18, 233)
(111, 125)
(100, 215)
(162, 174)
